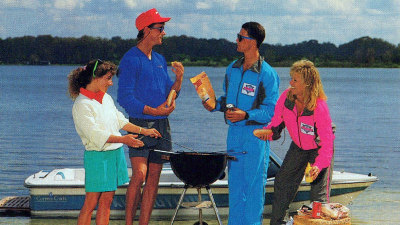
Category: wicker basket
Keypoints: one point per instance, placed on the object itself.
(307, 220)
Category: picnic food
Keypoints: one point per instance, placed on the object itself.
(171, 97)
(261, 132)
(174, 63)
(331, 214)
(204, 89)
(335, 210)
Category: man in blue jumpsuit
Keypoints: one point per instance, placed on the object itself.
(251, 91)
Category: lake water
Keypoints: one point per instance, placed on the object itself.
(37, 131)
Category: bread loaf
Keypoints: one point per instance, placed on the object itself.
(171, 97)
(174, 63)
(261, 132)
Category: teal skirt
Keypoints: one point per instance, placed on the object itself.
(105, 170)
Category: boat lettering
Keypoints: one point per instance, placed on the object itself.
(53, 198)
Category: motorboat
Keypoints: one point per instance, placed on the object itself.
(61, 193)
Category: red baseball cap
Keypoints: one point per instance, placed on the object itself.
(149, 17)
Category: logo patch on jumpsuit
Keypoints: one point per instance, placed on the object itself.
(249, 89)
(307, 129)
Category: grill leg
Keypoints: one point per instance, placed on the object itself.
(200, 210)
(213, 204)
(179, 204)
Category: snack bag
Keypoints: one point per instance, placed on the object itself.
(204, 89)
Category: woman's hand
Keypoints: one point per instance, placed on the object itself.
(263, 134)
(314, 172)
(130, 140)
(151, 133)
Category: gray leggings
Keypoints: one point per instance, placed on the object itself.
(289, 177)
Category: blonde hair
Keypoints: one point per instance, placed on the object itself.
(310, 76)
(82, 76)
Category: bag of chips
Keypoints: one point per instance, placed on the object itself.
(204, 89)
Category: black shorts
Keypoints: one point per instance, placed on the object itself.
(162, 125)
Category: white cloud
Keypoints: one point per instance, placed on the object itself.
(2, 30)
(374, 12)
(148, 4)
(203, 5)
(396, 6)
(348, 6)
(69, 4)
(218, 5)
(206, 26)
(294, 21)
(131, 3)
(30, 4)
(232, 5)
(322, 6)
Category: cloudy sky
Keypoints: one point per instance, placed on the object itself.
(285, 21)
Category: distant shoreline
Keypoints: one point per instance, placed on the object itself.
(194, 64)
(364, 52)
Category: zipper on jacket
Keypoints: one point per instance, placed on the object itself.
(298, 127)
(240, 86)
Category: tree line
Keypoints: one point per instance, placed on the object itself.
(46, 49)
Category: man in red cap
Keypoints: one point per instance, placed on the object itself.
(143, 88)
(149, 17)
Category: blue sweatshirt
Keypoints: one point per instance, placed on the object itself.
(142, 82)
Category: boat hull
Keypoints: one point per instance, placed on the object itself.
(56, 194)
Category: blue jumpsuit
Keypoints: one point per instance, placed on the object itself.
(256, 92)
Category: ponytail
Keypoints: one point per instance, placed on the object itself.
(77, 79)
(82, 76)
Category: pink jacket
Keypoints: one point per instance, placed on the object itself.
(310, 130)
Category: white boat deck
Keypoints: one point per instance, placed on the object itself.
(72, 177)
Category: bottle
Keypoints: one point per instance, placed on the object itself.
(307, 173)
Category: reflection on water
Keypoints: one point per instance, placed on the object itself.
(376, 207)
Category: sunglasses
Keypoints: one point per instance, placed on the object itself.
(240, 37)
(95, 66)
(161, 29)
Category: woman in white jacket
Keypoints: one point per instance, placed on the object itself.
(98, 122)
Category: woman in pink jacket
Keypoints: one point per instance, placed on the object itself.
(302, 109)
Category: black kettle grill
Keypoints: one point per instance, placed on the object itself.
(198, 170)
